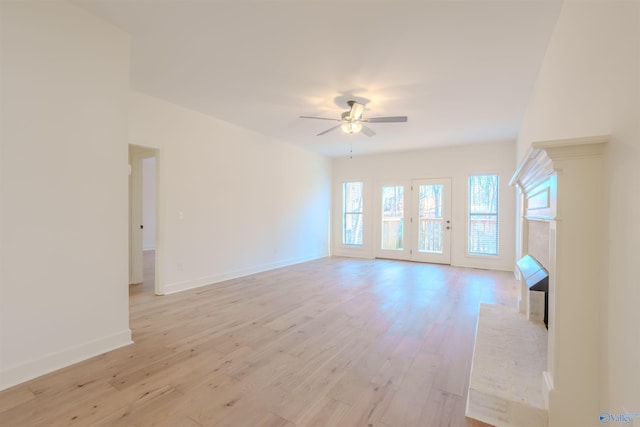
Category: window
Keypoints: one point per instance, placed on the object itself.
(352, 213)
(483, 215)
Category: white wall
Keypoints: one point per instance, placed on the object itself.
(63, 289)
(149, 203)
(231, 202)
(589, 84)
(454, 162)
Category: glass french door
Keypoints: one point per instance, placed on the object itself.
(432, 220)
(415, 221)
(392, 232)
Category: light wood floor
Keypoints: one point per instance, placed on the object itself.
(332, 342)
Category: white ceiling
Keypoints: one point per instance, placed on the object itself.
(462, 71)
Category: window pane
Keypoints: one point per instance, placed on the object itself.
(430, 226)
(483, 234)
(483, 194)
(483, 215)
(352, 213)
(352, 229)
(392, 217)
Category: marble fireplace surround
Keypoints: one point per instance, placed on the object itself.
(532, 303)
(559, 184)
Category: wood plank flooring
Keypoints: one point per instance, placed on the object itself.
(333, 342)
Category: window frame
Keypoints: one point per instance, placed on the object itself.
(345, 213)
(471, 214)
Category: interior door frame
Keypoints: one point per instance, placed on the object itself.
(136, 155)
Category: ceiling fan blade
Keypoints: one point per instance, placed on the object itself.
(385, 119)
(367, 131)
(329, 130)
(319, 118)
(356, 110)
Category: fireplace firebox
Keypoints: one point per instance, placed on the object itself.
(536, 278)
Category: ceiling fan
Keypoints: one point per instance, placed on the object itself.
(352, 120)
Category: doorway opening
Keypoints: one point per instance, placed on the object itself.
(415, 221)
(143, 238)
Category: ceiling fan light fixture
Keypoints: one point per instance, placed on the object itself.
(351, 127)
(351, 121)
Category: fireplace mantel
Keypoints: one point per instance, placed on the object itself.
(538, 171)
(561, 184)
(538, 163)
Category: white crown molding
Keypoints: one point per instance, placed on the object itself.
(542, 158)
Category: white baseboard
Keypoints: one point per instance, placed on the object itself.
(34, 368)
(172, 288)
(352, 253)
(547, 386)
(482, 264)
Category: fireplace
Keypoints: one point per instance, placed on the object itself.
(536, 281)
(560, 184)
